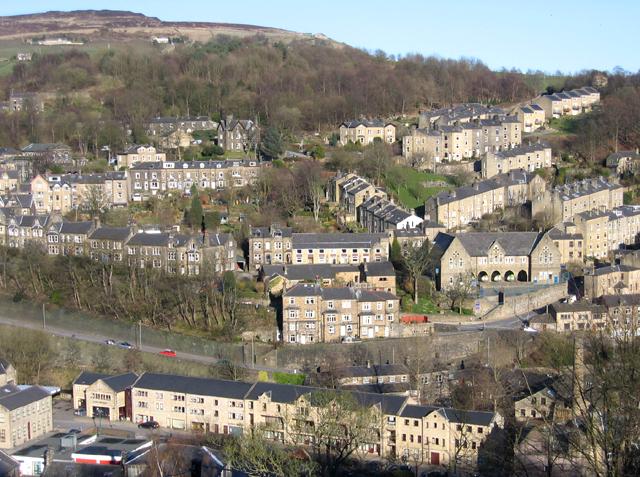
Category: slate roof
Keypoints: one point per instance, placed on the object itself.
(477, 244)
(620, 300)
(185, 165)
(12, 397)
(584, 187)
(133, 149)
(308, 272)
(558, 234)
(414, 411)
(157, 239)
(613, 268)
(88, 378)
(614, 158)
(8, 465)
(335, 240)
(339, 293)
(479, 418)
(369, 123)
(45, 147)
(379, 269)
(497, 182)
(271, 231)
(121, 382)
(111, 233)
(199, 386)
(78, 228)
(523, 149)
(217, 239)
(372, 371)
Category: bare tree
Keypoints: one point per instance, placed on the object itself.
(94, 201)
(416, 259)
(459, 291)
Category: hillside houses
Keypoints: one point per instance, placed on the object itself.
(466, 204)
(568, 103)
(496, 256)
(367, 131)
(458, 142)
(157, 178)
(529, 158)
(238, 134)
(139, 153)
(431, 434)
(564, 202)
(161, 126)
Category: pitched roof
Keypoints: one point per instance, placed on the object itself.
(369, 123)
(111, 233)
(477, 244)
(335, 240)
(88, 378)
(191, 385)
(78, 228)
(121, 382)
(308, 272)
(12, 397)
(379, 269)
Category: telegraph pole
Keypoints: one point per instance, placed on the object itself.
(139, 334)
(44, 318)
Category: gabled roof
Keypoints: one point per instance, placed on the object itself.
(78, 228)
(120, 382)
(370, 123)
(335, 240)
(12, 397)
(477, 244)
(379, 269)
(111, 233)
(190, 385)
(87, 378)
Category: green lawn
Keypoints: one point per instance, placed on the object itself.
(425, 307)
(410, 186)
(565, 124)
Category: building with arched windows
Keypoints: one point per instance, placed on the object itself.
(496, 257)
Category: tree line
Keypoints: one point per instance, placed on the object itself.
(295, 86)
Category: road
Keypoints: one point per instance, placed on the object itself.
(95, 338)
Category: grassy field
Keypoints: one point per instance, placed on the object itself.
(9, 49)
(411, 186)
(565, 124)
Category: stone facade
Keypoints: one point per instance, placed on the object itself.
(508, 256)
(365, 132)
(529, 158)
(311, 314)
(157, 178)
(466, 204)
(139, 153)
(25, 414)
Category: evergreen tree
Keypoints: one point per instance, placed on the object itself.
(272, 146)
(195, 211)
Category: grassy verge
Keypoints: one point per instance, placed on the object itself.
(412, 187)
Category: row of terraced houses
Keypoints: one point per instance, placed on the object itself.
(428, 434)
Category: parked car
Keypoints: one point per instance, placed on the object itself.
(109, 342)
(125, 345)
(148, 425)
(168, 352)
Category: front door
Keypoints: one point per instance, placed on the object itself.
(435, 458)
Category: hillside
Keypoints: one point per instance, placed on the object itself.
(108, 25)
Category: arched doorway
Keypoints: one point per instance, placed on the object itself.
(510, 276)
(496, 277)
(522, 276)
(483, 277)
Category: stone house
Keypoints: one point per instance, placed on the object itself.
(25, 414)
(611, 280)
(496, 256)
(158, 178)
(457, 208)
(348, 192)
(569, 240)
(563, 203)
(69, 238)
(311, 314)
(106, 244)
(531, 117)
(623, 162)
(269, 245)
(139, 153)
(7, 373)
(367, 131)
(378, 214)
(102, 395)
(529, 158)
(238, 134)
(161, 126)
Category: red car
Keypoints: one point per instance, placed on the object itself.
(168, 352)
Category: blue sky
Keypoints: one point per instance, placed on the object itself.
(564, 35)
